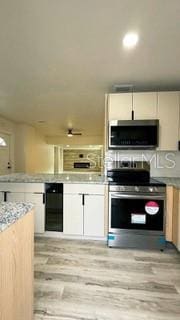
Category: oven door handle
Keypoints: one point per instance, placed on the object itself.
(137, 196)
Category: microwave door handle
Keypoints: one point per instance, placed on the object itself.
(137, 196)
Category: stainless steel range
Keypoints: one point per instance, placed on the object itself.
(136, 207)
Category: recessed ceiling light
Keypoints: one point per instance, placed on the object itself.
(130, 40)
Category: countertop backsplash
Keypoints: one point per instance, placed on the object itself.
(162, 163)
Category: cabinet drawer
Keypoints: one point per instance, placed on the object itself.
(15, 197)
(12, 186)
(34, 187)
(83, 188)
(22, 187)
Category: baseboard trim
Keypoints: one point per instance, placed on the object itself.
(61, 235)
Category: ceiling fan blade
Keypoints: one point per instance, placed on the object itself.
(70, 133)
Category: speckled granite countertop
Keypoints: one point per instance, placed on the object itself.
(54, 178)
(72, 178)
(11, 212)
(170, 181)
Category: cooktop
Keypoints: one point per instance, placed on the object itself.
(132, 177)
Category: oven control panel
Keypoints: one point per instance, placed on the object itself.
(137, 189)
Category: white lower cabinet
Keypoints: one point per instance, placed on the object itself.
(34, 193)
(94, 215)
(73, 214)
(1, 196)
(84, 210)
(37, 200)
(27, 192)
(83, 206)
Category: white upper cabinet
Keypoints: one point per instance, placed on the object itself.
(145, 105)
(120, 106)
(168, 115)
(162, 105)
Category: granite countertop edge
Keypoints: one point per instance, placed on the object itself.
(54, 178)
(170, 181)
(11, 212)
(73, 178)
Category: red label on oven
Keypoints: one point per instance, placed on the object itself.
(152, 207)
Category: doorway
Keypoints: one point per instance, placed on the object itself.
(5, 161)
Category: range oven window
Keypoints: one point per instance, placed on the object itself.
(139, 214)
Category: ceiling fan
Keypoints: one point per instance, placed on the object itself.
(70, 133)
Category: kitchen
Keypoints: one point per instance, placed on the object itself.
(90, 174)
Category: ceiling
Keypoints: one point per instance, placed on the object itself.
(59, 57)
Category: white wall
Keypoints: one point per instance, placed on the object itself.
(163, 164)
(76, 140)
(28, 149)
(8, 127)
(44, 155)
(32, 153)
(24, 148)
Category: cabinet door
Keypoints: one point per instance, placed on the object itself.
(169, 212)
(1, 196)
(37, 200)
(120, 106)
(73, 214)
(145, 105)
(94, 215)
(176, 218)
(15, 197)
(168, 115)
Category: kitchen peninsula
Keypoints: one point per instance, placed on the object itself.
(75, 197)
(16, 261)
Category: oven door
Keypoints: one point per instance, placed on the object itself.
(140, 212)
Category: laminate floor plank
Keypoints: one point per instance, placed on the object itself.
(85, 280)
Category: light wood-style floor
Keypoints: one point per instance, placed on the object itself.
(85, 280)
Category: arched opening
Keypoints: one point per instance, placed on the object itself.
(2, 142)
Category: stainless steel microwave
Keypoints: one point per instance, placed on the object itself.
(133, 134)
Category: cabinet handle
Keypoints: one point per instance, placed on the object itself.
(132, 115)
(44, 197)
(5, 195)
(38, 192)
(83, 198)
